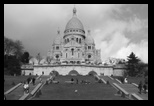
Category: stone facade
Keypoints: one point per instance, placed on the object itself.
(73, 50)
(74, 46)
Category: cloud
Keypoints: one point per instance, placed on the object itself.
(135, 24)
(112, 40)
(140, 50)
(36, 26)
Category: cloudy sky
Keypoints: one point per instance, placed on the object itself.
(117, 29)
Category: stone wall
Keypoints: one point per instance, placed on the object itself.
(81, 69)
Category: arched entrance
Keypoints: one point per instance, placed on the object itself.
(56, 73)
(73, 73)
(92, 73)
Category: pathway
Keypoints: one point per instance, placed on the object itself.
(130, 88)
(18, 93)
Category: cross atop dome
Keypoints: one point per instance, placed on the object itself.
(74, 11)
(58, 31)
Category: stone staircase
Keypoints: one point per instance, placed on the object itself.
(18, 92)
(132, 89)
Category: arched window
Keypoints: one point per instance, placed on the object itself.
(57, 47)
(67, 40)
(72, 51)
(76, 39)
(80, 40)
(66, 55)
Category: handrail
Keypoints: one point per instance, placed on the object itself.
(12, 89)
(121, 89)
(36, 88)
(118, 81)
(136, 96)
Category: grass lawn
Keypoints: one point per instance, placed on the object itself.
(132, 79)
(136, 79)
(65, 91)
(10, 79)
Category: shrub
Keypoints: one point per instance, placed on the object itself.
(46, 83)
(100, 81)
(96, 78)
(146, 80)
(13, 83)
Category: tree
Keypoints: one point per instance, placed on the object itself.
(146, 70)
(13, 47)
(12, 66)
(18, 46)
(13, 51)
(132, 64)
(8, 46)
(25, 57)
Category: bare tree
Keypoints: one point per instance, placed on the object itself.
(8, 46)
(13, 47)
(18, 48)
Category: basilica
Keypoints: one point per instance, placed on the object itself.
(75, 46)
(73, 50)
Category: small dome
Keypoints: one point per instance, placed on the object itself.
(33, 60)
(89, 39)
(57, 40)
(43, 61)
(74, 23)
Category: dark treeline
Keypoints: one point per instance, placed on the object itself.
(135, 67)
(14, 56)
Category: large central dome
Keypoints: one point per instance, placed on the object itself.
(74, 23)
